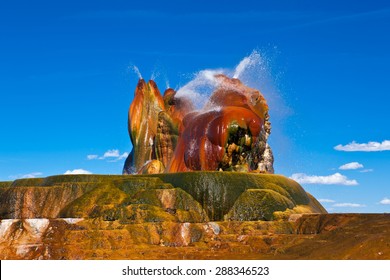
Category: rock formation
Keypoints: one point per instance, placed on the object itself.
(228, 134)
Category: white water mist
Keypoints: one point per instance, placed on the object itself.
(136, 71)
(249, 70)
(199, 89)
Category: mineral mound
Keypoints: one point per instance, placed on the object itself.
(192, 197)
(142, 216)
(228, 134)
(192, 215)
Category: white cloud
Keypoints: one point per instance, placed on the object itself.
(351, 166)
(352, 205)
(92, 157)
(364, 147)
(325, 200)
(366, 170)
(25, 176)
(385, 201)
(77, 171)
(111, 153)
(114, 155)
(32, 175)
(335, 179)
(123, 156)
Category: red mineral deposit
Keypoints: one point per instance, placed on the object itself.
(228, 134)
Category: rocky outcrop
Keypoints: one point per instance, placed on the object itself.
(229, 134)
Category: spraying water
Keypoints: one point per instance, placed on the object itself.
(250, 70)
(251, 61)
(136, 71)
(200, 87)
(155, 75)
(253, 70)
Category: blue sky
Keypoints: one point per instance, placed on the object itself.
(66, 82)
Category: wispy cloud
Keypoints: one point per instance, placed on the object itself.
(110, 153)
(26, 176)
(347, 204)
(364, 147)
(385, 201)
(77, 171)
(325, 200)
(92, 157)
(32, 175)
(351, 166)
(366, 170)
(113, 155)
(334, 179)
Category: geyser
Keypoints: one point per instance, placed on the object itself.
(170, 133)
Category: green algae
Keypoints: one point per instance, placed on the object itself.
(218, 191)
(179, 197)
(258, 204)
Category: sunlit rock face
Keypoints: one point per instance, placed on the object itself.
(228, 134)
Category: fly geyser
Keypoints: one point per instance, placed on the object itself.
(217, 153)
(200, 173)
(229, 133)
(198, 184)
